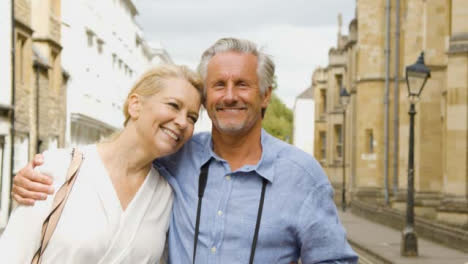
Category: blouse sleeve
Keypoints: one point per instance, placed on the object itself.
(21, 238)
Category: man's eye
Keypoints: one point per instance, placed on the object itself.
(219, 84)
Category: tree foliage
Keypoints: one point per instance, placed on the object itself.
(278, 120)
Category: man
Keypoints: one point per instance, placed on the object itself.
(265, 201)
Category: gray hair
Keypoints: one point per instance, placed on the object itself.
(265, 66)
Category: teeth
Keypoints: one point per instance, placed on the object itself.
(170, 133)
(231, 109)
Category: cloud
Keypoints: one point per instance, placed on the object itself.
(298, 33)
(182, 16)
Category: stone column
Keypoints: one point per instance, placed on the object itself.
(454, 207)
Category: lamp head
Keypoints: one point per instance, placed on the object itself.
(416, 77)
(344, 96)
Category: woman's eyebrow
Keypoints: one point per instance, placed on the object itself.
(174, 98)
(193, 113)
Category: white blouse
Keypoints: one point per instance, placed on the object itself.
(93, 227)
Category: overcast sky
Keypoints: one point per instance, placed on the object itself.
(297, 33)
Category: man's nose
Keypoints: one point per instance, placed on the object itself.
(231, 94)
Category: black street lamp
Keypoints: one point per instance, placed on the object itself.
(344, 99)
(416, 77)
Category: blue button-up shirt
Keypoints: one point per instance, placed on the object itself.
(299, 217)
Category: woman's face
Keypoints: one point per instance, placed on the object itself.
(166, 119)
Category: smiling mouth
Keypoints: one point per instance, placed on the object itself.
(170, 133)
(230, 109)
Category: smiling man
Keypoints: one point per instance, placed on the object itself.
(264, 201)
(235, 98)
(296, 217)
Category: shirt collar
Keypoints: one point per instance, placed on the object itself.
(265, 167)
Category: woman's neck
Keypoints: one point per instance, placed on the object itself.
(126, 154)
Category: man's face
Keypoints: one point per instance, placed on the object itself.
(233, 97)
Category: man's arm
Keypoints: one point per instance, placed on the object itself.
(322, 237)
(30, 185)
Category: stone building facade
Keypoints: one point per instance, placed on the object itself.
(50, 79)
(39, 79)
(24, 143)
(105, 51)
(39, 90)
(6, 106)
(377, 121)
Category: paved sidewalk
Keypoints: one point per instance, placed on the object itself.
(382, 243)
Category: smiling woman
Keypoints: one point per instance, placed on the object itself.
(165, 120)
(118, 210)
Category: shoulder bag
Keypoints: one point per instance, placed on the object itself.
(58, 204)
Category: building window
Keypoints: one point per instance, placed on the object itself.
(2, 151)
(323, 145)
(114, 60)
(369, 141)
(90, 36)
(323, 98)
(339, 141)
(20, 50)
(339, 84)
(53, 79)
(100, 45)
(137, 41)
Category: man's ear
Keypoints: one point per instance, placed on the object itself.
(134, 106)
(267, 97)
(266, 100)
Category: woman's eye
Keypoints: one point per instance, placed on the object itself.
(174, 105)
(192, 119)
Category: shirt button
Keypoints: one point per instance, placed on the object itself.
(220, 213)
(213, 250)
(228, 177)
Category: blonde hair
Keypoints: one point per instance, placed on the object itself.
(151, 82)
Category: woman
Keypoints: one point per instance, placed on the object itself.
(118, 210)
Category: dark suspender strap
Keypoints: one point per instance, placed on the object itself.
(201, 191)
(259, 219)
(202, 179)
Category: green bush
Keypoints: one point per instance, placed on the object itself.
(278, 119)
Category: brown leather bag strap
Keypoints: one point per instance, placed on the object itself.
(60, 199)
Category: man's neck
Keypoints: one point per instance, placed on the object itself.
(238, 150)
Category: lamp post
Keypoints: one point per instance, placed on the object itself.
(416, 77)
(344, 98)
